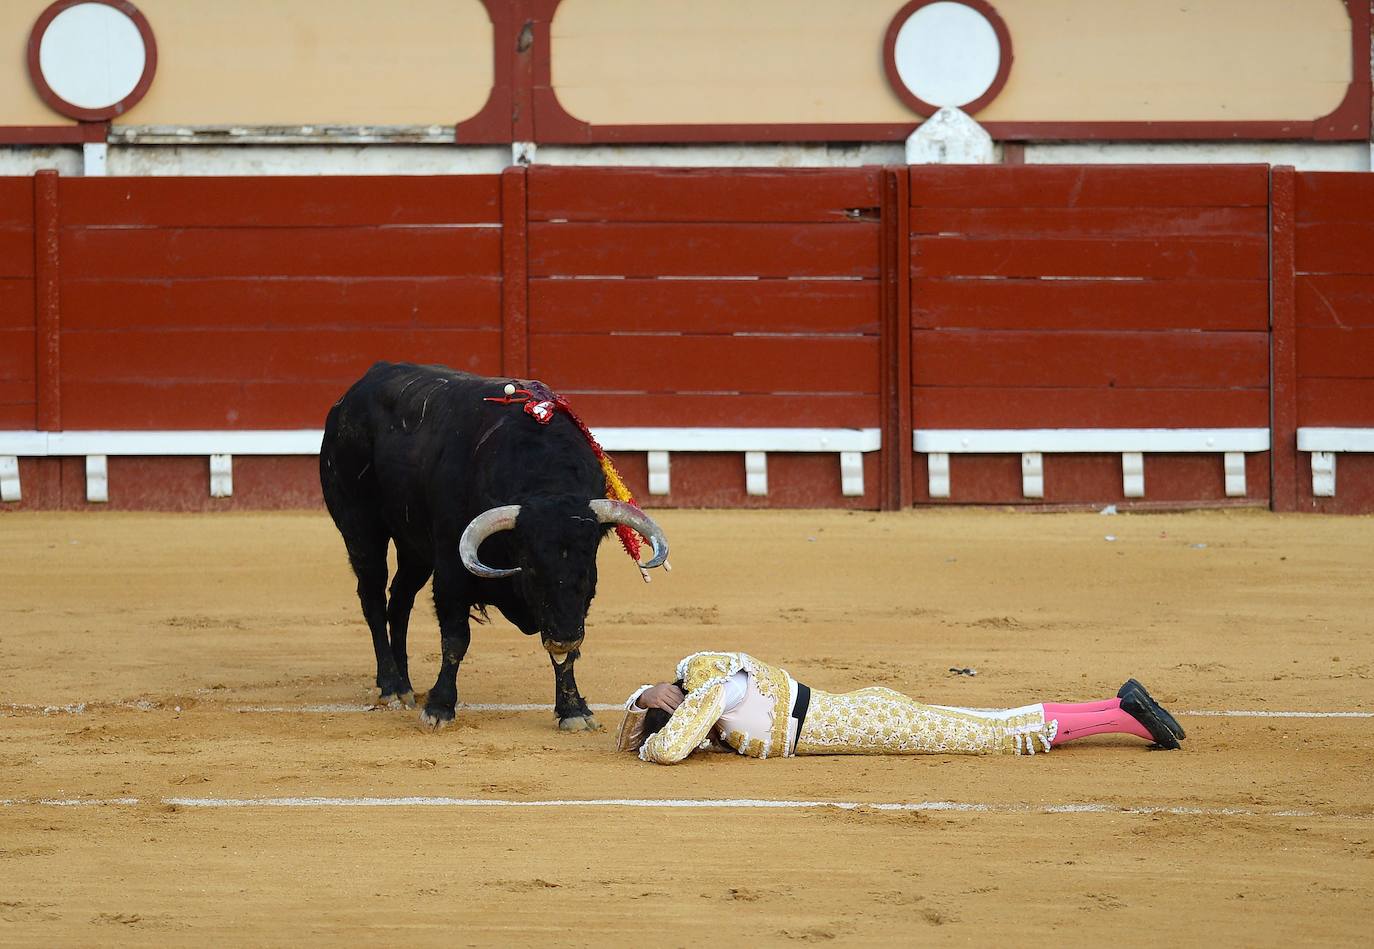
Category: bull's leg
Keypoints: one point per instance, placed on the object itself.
(411, 574)
(369, 563)
(451, 603)
(568, 703)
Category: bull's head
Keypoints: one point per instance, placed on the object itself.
(555, 542)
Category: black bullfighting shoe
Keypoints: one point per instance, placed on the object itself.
(1169, 721)
(1137, 703)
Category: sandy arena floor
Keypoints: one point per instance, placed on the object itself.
(157, 671)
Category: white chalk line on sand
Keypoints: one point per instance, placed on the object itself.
(341, 707)
(679, 803)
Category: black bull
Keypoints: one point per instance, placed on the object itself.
(416, 456)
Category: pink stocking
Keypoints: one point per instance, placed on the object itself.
(1081, 719)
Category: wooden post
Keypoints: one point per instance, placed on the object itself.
(47, 317)
(515, 356)
(895, 386)
(1283, 360)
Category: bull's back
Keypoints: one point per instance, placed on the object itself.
(385, 436)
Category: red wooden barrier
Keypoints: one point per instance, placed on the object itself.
(1332, 281)
(1089, 297)
(711, 297)
(963, 298)
(18, 333)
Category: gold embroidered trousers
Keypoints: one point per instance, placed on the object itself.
(885, 722)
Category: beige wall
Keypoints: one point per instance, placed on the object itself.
(720, 61)
(423, 62)
(272, 62)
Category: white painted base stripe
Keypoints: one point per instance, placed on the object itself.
(477, 707)
(1336, 439)
(1113, 440)
(680, 803)
(307, 441)
(337, 707)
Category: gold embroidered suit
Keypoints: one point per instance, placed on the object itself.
(869, 721)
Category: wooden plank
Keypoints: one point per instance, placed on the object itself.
(515, 276)
(245, 356)
(1282, 342)
(16, 251)
(1156, 222)
(646, 250)
(161, 404)
(16, 202)
(47, 300)
(704, 306)
(1080, 186)
(16, 303)
(1159, 360)
(1336, 247)
(275, 252)
(295, 302)
(1335, 300)
(270, 201)
(823, 410)
(1244, 258)
(1341, 402)
(702, 194)
(758, 364)
(1090, 304)
(1000, 407)
(1329, 197)
(16, 415)
(17, 355)
(1338, 353)
(895, 357)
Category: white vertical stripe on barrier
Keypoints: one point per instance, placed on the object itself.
(1234, 462)
(658, 472)
(937, 467)
(221, 476)
(97, 479)
(852, 474)
(1032, 474)
(1323, 474)
(1133, 474)
(756, 473)
(9, 478)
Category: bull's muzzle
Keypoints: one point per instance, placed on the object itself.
(560, 650)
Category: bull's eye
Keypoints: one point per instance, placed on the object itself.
(565, 553)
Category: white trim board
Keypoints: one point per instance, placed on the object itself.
(1131, 443)
(1336, 439)
(220, 447)
(1082, 440)
(307, 441)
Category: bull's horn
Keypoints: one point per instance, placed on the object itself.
(483, 526)
(618, 512)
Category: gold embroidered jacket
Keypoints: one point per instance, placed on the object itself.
(703, 676)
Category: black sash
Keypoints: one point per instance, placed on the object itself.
(800, 706)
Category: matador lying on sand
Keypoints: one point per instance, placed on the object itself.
(732, 699)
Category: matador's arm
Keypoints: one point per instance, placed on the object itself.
(688, 727)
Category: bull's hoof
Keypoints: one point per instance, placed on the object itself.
(579, 723)
(436, 717)
(404, 699)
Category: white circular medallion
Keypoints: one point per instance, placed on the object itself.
(947, 54)
(92, 55)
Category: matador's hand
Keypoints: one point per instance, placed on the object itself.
(665, 695)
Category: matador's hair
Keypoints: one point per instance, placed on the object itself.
(656, 718)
